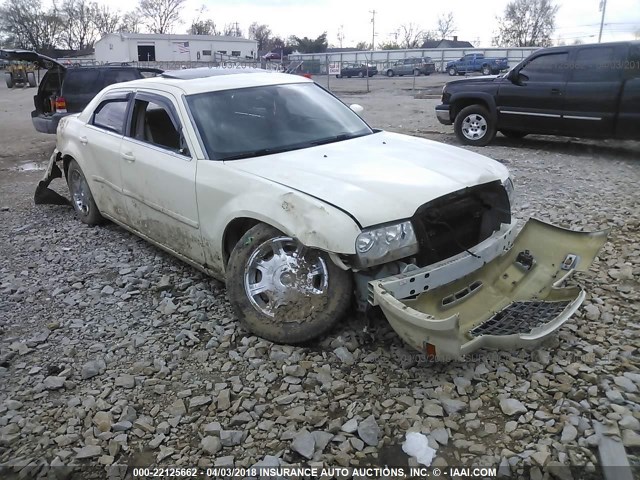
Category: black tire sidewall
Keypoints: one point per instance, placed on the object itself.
(93, 217)
(491, 125)
(339, 294)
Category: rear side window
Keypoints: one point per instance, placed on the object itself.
(154, 123)
(596, 64)
(117, 76)
(80, 81)
(547, 68)
(110, 115)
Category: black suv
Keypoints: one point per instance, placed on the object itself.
(65, 90)
(588, 91)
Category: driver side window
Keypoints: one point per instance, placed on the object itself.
(546, 68)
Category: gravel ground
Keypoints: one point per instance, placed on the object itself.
(114, 353)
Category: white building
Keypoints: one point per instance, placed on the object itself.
(154, 47)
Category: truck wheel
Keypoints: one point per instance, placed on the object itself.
(513, 134)
(9, 80)
(360, 74)
(283, 291)
(31, 78)
(486, 70)
(474, 126)
(390, 73)
(81, 196)
(452, 71)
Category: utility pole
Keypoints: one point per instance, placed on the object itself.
(603, 7)
(373, 28)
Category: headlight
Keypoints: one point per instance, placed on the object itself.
(508, 186)
(384, 244)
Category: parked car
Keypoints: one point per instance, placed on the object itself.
(579, 90)
(65, 90)
(360, 70)
(477, 62)
(412, 66)
(270, 183)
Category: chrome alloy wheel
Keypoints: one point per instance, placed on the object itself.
(80, 192)
(474, 126)
(281, 272)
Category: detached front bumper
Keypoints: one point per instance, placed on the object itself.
(508, 295)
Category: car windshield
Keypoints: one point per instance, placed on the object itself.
(250, 122)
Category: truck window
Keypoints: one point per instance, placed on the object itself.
(596, 64)
(546, 68)
(79, 81)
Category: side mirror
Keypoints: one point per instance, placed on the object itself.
(356, 108)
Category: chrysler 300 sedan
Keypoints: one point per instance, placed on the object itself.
(273, 185)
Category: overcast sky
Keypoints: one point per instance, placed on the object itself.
(475, 21)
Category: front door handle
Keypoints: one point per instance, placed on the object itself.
(128, 156)
(556, 91)
(84, 140)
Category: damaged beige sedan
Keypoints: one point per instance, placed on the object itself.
(271, 184)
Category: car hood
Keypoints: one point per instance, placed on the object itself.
(481, 80)
(42, 61)
(376, 178)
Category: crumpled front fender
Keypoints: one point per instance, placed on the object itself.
(516, 299)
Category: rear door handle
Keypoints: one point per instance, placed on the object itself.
(84, 140)
(556, 91)
(128, 156)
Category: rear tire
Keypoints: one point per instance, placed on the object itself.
(8, 80)
(416, 72)
(31, 78)
(474, 126)
(513, 134)
(81, 197)
(300, 295)
(360, 74)
(486, 70)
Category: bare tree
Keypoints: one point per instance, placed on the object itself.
(160, 16)
(105, 20)
(260, 33)
(410, 35)
(389, 45)
(232, 30)
(446, 26)
(203, 27)
(363, 46)
(526, 23)
(25, 24)
(79, 18)
(130, 23)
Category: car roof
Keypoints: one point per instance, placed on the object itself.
(212, 79)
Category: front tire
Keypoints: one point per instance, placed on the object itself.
(360, 74)
(475, 126)
(452, 71)
(31, 78)
(8, 80)
(283, 291)
(416, 72)
(81, 197)
(390, 73)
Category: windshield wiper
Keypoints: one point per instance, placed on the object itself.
(255, 153)
(337, 138)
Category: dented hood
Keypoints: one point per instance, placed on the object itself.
(377, 178)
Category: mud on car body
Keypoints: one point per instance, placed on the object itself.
(272, 184)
